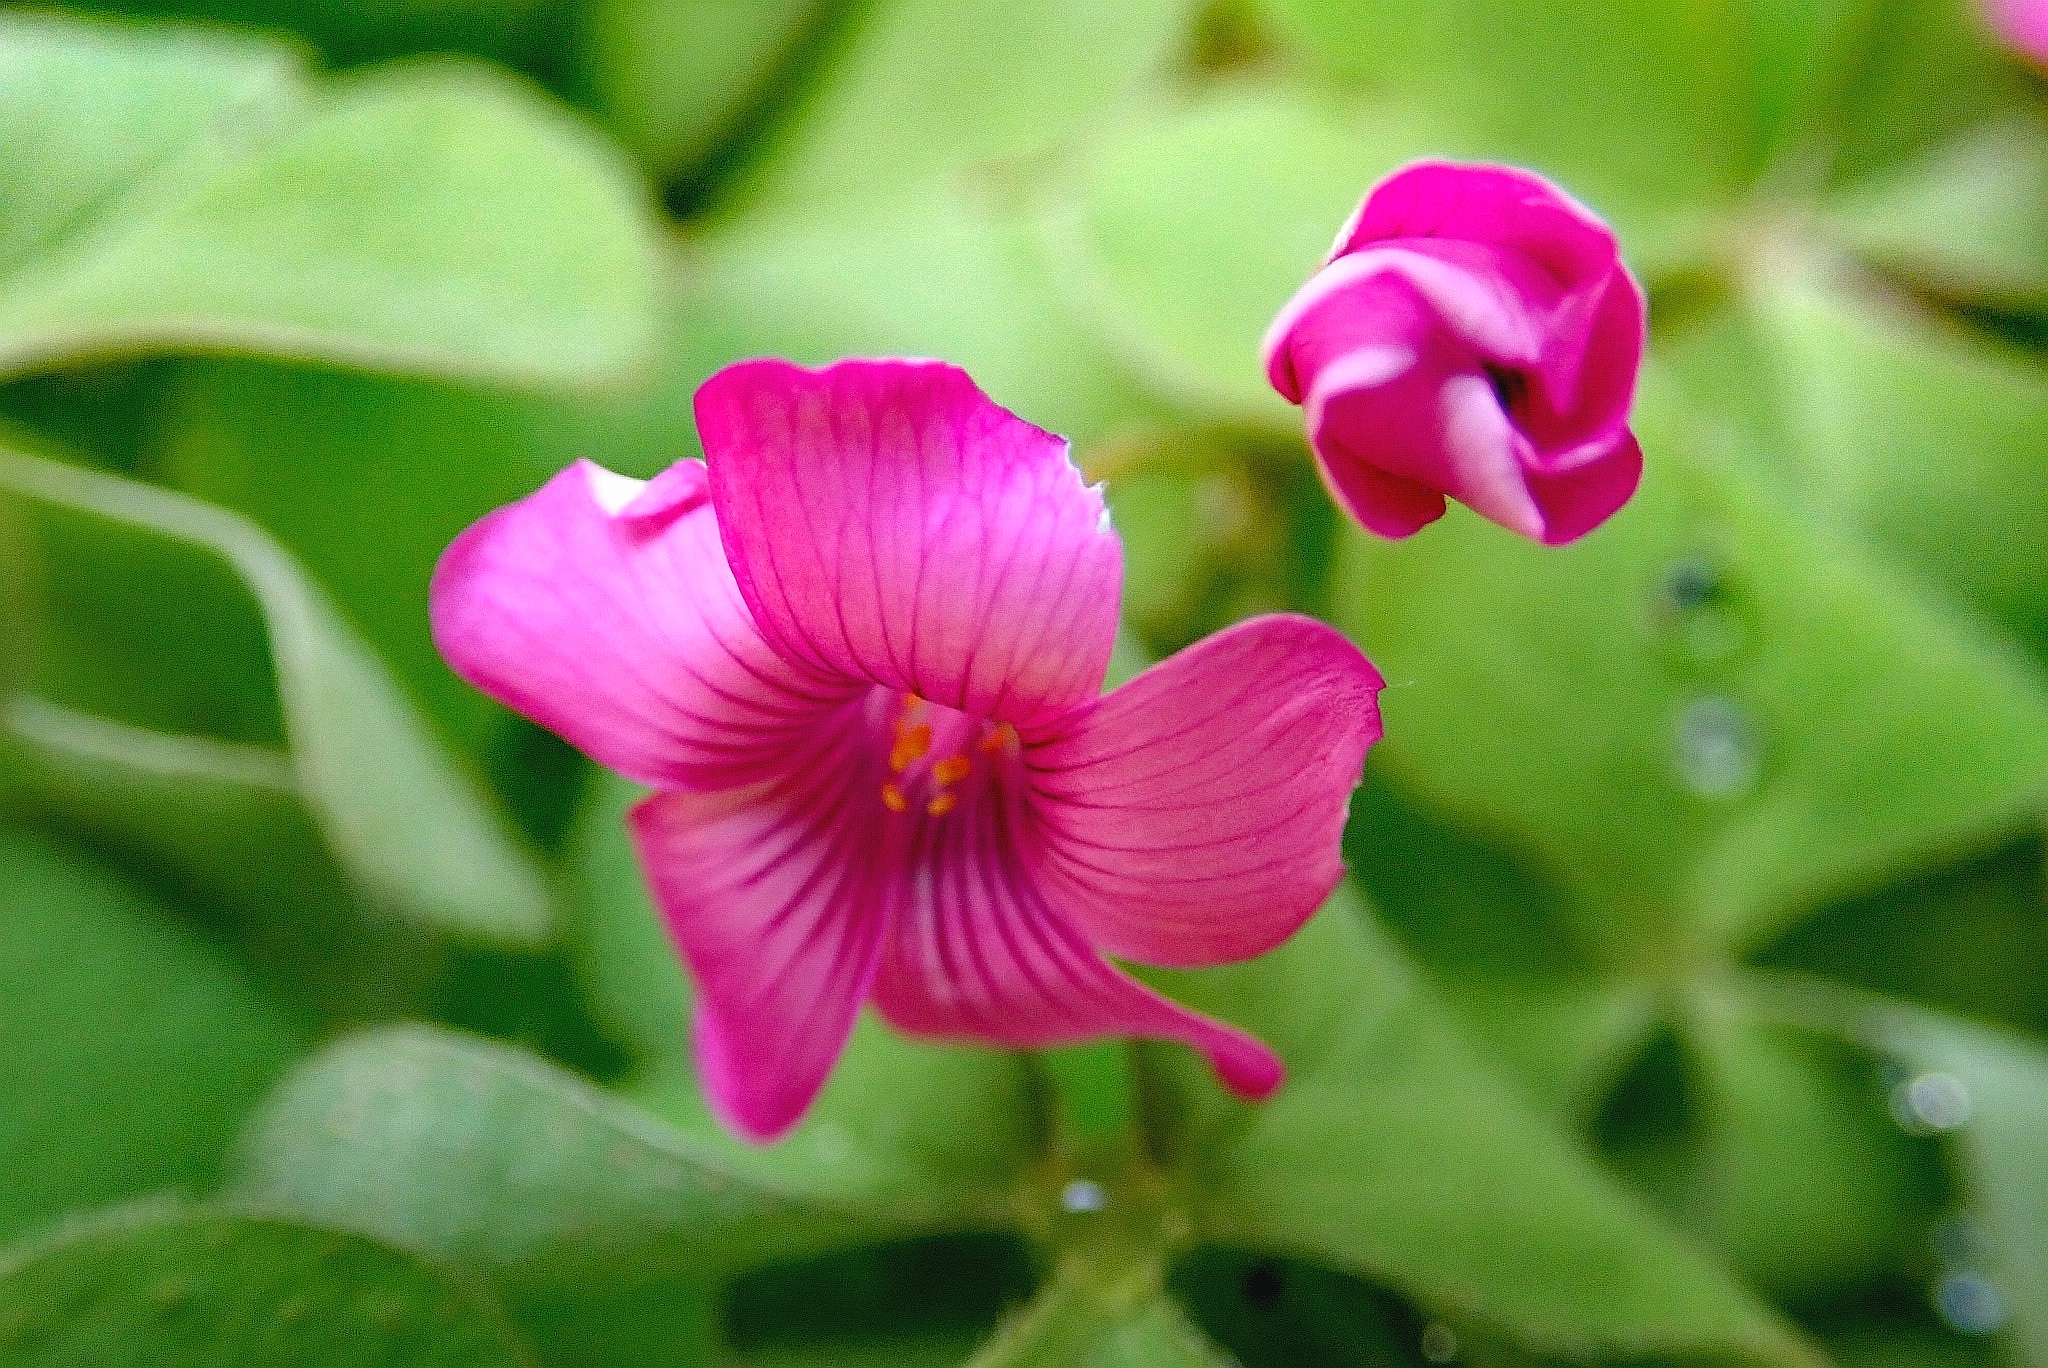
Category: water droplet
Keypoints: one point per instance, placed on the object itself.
(1969, 1304)
(1930, 1103)
(1439, 1342)
(1083, 1198)
(1696, 603)
(1718, 755)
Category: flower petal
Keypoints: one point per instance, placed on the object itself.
(1504, 206)
(772, 895)
(1194, 816)
(976, 952)
(887, 521)
(1576, 501)
(601, 607)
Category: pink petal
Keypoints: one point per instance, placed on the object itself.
(771, 893)
(602, 608)
(887, 521)
(1576, 501)
(977, 953)
(1193, 816)
(1587, 311)
(1435, 425)
(1501, 205)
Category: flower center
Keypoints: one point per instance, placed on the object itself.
(937, 753)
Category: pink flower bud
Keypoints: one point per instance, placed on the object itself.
(1475, 335)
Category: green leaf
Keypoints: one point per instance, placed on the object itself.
(130, 1047)
(88, 110)
(162, 1286)
(230, 823)
(910, 91)
(2002, 1136)
(1970, 221)
(672, 78)
(368, 478)
(413, 830)
(1926, 439)
(1705, 718)
(1393, 1153)
(1634, 105)
(1926, 70)
(1802, 1178)
(953, 275)
(480, 1153)
(1078, 1322)
(350, 32)
(432, 217)
(1192, 224)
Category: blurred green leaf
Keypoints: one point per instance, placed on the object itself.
(130, 1047)
(1925, 438)
(367, 479)
(469, 1150)
(1394, 1153)
(1503, 949)
(1705, 718)
(1076, 1323)
(907, 91)
(160, 1286)
(956, 274)
(1969, 222)
(1637, 106)
(349, 31)
(429, 217)
(1215, 528)
(88, 110)
(671, 78)
(1802, 1178)
(1992, 1088)
(229, 822)
(1925, 69)
(407, 825)
(1193, 223)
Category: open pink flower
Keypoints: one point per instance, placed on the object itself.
(2021, 25)
(1472, 334)
(860, 653)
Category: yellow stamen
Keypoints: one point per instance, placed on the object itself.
(951, 770)
(943, 804)
(910, 745)
(892, 797)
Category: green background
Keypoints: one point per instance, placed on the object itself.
(1689, 999)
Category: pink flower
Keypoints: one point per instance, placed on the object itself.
(2021, 25)
(860, 654)
(1472, 334)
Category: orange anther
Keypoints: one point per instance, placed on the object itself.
(893, 799)
(911, 744)
(951, 770)
(943, 804)
(999, 738)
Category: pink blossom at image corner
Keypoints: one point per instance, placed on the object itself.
(859, 652)
(1472, 335)
(2021, 25)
